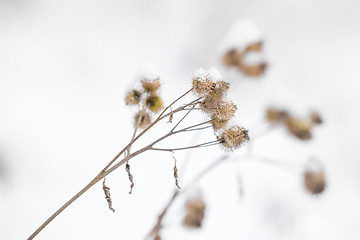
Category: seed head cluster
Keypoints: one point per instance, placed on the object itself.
(234, 137)
(207, 85)
(242, 59)
(298, 127)
(147, 98)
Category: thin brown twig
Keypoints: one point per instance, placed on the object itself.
(105, 171)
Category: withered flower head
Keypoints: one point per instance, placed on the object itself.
(195, 212)
(254, 70)
(232, 58)
(276, 116)
(299, 127)
(314, 179)
(233, 137)
(218, 123)
(226, 110)
(144, 121)
(316, 118)
(256, 47)
(133, 97)
(150, 86)
(205, 82)
(154, 103)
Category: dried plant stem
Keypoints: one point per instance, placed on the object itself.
(158, 225)
(105, 171)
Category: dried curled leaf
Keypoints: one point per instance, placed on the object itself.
(127, 168)
(176, 176)
(171, 116)
(107, 196)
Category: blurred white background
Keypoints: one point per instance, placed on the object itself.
(66, 65)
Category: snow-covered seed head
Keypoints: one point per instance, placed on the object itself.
(233, 137)
(150, 86)
(256, 47)
(154, 103)
(133, 97)
(314, 179)
(144, 121)
(195, 212)
(299, 127)
(315, 182)
(204, 81)
(275, 116)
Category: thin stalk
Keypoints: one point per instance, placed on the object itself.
(196, 129)
(104, 172)
(207, 144)
(201, 174)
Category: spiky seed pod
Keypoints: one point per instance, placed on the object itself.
(276, 116)
(255, 70)
(150, 86)
(314, 181)
(232, 58)
(145, 120)
(218, 123)
(316, 118)
(204, 82)
(154, 103)
(203, 87)
(133, 97)
(219, 92)
(233, 137)
(195, 212)
(226, 110)
(299, 127)
(257, 47)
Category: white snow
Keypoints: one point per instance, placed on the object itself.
(211, 73)
(243, 33)
(147, 71)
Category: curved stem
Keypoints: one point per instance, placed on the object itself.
(105, 171)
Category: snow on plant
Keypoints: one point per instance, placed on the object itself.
(209, 96)
(242, 48)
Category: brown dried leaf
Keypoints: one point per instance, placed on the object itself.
(127, 168)
(107, 196)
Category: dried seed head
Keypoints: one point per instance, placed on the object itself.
(154, 103)
(133, 97)
(218, 123)
(226, 110)
(233, 137)
(145, 120)
(314, 179)
(254, 70)
(232, 58)
(299, 127)
(204, 82)
(150, 86)
(315, 182)
(195, 212)
(316, 118)
(257, 47)
(276, 116)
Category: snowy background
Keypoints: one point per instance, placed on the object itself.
(65, 67)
